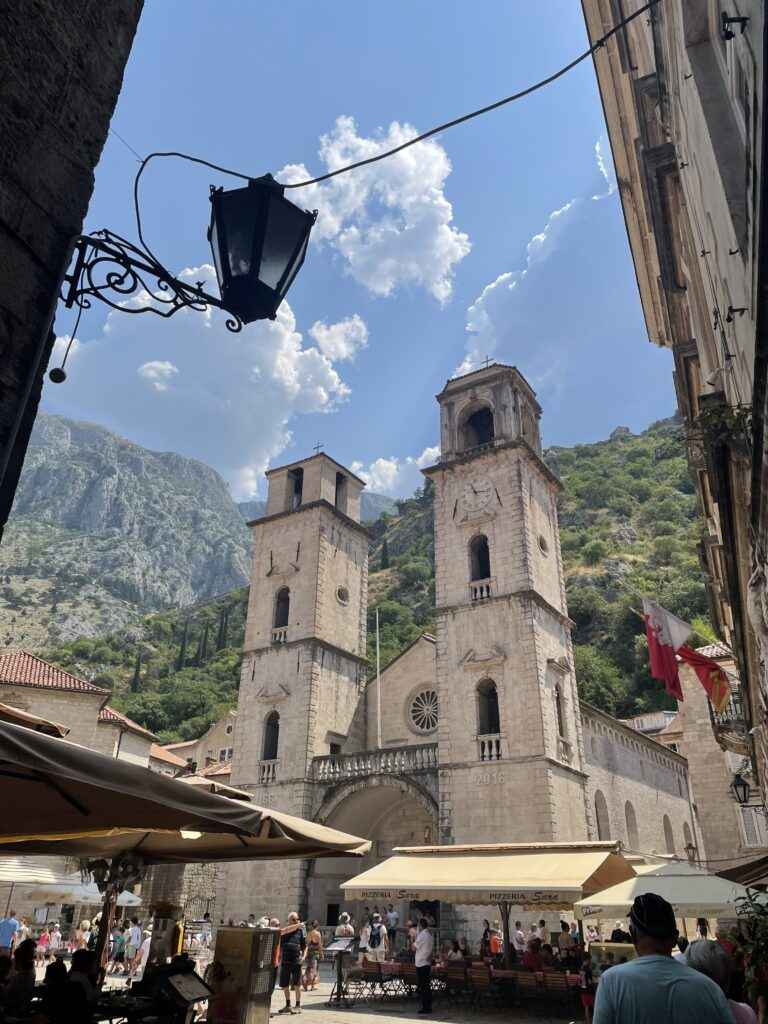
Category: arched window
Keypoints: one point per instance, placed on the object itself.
(488, 723)
(479, 558)
(282, 607)
(559, 715)
(601, 817)
(295, 488)
(633, 839)
(271, 736)
(477, 429)
(669, 839)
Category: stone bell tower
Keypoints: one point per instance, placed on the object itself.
(303, 669)
(509, 734)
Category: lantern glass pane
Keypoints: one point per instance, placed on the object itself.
(285, 226)
(294, 268)
(215, 250)
(239, 212)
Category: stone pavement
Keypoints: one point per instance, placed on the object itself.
(377, 1011)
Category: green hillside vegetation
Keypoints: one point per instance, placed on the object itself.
(628, 526)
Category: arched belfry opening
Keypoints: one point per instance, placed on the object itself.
(488, 721)
(282, 607)
(271, 736)
(477, 429)
(340, 494)
(479, 558)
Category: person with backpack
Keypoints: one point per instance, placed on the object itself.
(377, 941)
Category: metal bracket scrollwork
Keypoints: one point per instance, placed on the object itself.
(106, 263)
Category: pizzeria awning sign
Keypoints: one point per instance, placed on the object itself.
(527, 899)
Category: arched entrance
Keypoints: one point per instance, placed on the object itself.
(388, 811)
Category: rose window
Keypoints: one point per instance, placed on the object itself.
(424, 711)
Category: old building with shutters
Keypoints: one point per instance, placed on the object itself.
(683, 92)
(477, 734)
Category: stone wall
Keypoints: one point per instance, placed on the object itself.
(412, 673)
(711, 773)
(62, 70)
(624, 767)
(77, 710)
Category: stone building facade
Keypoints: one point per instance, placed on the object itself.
(683, 91)
(62, 72)
(483, 738)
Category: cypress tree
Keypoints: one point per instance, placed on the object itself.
(181, 657)
(202, 646)
(384, 554)
(136, 681)
(221, 638)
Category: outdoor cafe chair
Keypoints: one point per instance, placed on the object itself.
(456, 986)
(409, 978)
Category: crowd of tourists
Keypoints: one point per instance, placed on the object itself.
(22, 957)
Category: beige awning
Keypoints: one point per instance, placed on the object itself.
(67, 800)
(8, 713)
(691, 891)
(546, 876)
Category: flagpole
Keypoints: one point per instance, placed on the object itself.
(378, 684)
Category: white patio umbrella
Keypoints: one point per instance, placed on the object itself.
(692, 892)
(77, 892)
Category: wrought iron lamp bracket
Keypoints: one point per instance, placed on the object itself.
(114, 270)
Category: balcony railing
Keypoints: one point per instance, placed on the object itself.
(489, 747)
(280, 635)
(266, 772)
(481, 590)
(389, 761)
(564, 750)
(730, 725)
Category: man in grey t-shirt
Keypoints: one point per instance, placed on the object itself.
(655, 987)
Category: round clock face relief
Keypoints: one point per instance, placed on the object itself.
(476, 494)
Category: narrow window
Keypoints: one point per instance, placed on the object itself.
(334, 749)
(295, 488)
(669, 838)
(282, 607)
(271, 736)
(633, 839)
(340, 499)
(601, 817)
(479, 558)
(488, 723)
(559, 712)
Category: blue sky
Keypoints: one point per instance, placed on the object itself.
(503, 238)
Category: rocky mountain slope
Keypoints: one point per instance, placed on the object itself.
(104, 531)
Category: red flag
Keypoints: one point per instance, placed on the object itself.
(712, 677)
(666, 634)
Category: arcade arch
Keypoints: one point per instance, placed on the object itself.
(388, 811)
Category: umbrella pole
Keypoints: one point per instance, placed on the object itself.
(108, 908)
(504, 908)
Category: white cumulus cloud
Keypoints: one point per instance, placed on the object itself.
(391, 222)
(158, 373)
(341, 340)
(396, 476)
(233, 396)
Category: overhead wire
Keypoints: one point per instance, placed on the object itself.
(535, 87)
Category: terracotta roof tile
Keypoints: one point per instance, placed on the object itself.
(158, 753)
(24, 669)
(220, 768)
(112, 717)
(717, 651)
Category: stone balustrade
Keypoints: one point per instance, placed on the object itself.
(266, 772)
(489, 747)
(481, 590)
(388, 761)
(280, 635)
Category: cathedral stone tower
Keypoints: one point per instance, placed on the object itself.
(303, 671)
(510, 747)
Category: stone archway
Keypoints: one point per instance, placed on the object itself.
(390, 811)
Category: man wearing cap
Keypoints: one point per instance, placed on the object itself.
(654, 987)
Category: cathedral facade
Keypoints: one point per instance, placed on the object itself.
(477, 734)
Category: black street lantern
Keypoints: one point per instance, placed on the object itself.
(259, 240)
(740, 788)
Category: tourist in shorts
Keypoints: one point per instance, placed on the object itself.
(293, 951)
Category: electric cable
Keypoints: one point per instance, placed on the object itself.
(405, 145)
